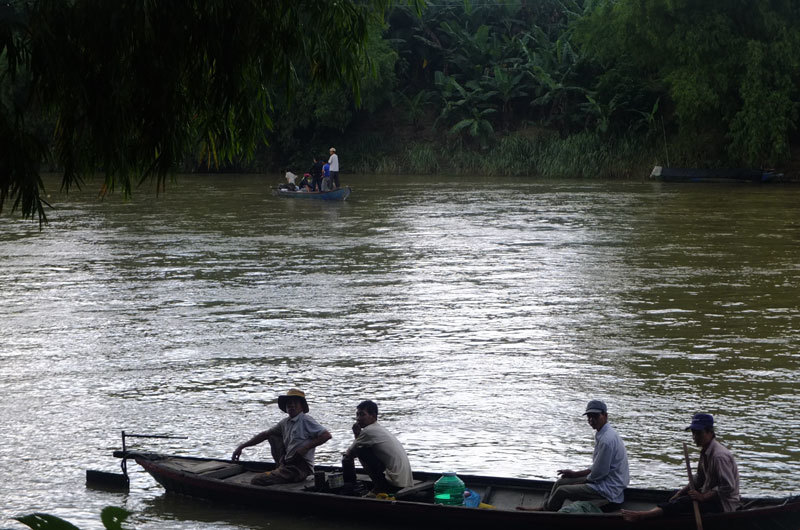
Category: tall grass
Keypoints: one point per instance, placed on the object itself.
(421, 159)
(584, 155)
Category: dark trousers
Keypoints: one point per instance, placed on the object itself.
(374, 468)
(317, 183)
(683, 504)
(335, 178)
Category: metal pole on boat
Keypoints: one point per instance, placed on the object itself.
(697, 519)
(104, 479)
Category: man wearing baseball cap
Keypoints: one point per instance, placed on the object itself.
(292, 441)
(716, 483)
(604, 483)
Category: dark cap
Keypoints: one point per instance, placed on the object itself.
(701, 422)
(596, 406)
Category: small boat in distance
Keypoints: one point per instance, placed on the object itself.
(676, 174)
(226, 481)
(339, 194)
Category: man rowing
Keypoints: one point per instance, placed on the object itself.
(716, 484)
(381, 454)
(602, 484)
(292, 441)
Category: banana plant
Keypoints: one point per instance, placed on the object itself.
(476, 125)
(508, 86)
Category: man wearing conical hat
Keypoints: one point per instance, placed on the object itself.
(292, 441)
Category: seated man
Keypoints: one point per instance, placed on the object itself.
(292, 441)
(305, 184)
(603, 483)
(716, 484)
(380, 453)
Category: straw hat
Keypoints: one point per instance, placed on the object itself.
(292, 393)
(333, 149)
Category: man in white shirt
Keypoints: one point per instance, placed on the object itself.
(292, 441)
(334, 162)
(381, 454)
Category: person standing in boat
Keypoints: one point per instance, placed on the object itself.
(326, 175)
(316, 174)
(716, 484)
(603, 483)
(380, 453)
(292, 441)
(334, 162)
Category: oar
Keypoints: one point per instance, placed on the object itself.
(698, 521)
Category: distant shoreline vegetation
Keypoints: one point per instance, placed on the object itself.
(587, 88)
(582, 155)
(595, 89)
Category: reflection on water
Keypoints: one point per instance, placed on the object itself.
(480, 314)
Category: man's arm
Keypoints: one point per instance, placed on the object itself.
(255, 440)
(725, 481)
(314, 442)
(568, 473)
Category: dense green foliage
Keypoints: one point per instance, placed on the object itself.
(132, 88)
(728, 69)
(672, 82)
(550, 88)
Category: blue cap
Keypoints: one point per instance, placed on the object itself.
(701, 422)
(596, 406)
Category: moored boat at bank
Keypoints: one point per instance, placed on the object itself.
(227, 481)
(676, 174)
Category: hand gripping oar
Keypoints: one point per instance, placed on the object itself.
(698, 521)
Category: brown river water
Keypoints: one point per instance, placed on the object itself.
(481, 315)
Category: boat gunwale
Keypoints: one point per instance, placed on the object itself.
(151, 462)
(339, 194)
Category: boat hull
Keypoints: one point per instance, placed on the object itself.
(675, 174)
(339, 194)
(229, 482)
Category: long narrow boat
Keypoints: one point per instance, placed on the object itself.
(339, 194)
(229, 482)
(676, 174)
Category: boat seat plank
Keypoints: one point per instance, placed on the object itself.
(418, 487)
(225, 472)
(242, 478)
(293, 486)
(509, 499)
(193, 466)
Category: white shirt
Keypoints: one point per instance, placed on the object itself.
(296, 432)
(334, 162)
(389, 450)
(609, 476)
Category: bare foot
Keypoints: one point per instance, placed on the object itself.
(633, 516)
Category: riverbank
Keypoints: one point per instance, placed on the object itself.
(533, 152)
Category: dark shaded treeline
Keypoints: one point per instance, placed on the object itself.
(563, 87)
(521, 87)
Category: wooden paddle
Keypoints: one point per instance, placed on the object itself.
(698, 521)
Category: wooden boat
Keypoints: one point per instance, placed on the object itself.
(339, 194)
(675, 174)
(228, 481)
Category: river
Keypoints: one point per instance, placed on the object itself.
(480, 314)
